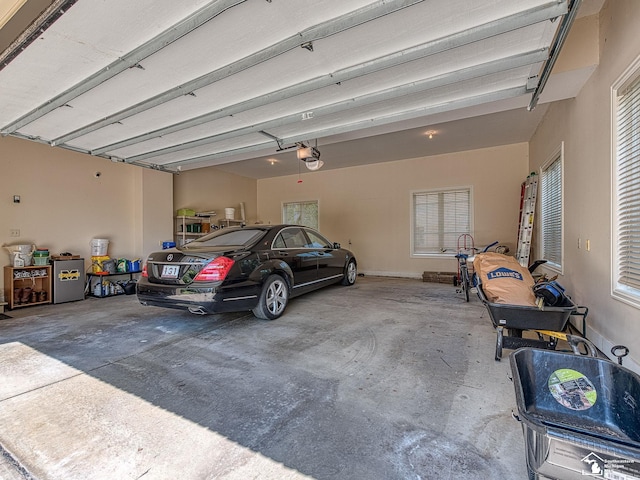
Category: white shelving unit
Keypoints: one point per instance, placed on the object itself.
(190, 228)
(230, 222)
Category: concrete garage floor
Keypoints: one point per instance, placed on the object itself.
(388, 379)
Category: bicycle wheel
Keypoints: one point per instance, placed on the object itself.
(466, 286)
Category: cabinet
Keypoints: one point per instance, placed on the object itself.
(189, 228)
(103, 285)
(25, 286)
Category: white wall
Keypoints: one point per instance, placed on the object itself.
(584, 125)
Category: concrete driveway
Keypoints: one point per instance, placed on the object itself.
(388, 379)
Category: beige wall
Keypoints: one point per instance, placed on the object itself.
(153, 209)
(208, 189)
(584, 125)
(581, 46)
(64, 205)
(368, 208)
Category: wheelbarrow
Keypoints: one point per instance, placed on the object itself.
(547, 323)
(579, 415)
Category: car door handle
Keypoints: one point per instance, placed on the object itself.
(284, 254)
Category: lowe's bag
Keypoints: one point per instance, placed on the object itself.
(504, 280)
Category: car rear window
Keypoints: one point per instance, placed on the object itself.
(225, 238)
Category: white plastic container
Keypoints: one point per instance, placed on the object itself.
(99, 247)
(21, 255)
(230, 213)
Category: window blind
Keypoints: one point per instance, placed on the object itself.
(439, 219)
(301, 213)
(551, 212)
(628, 186)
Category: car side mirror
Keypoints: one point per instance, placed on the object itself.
(336, 245)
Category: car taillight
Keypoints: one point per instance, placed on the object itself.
(215, 270)
(144, 271)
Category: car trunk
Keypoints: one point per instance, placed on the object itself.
(175, 267)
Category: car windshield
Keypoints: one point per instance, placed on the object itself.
(227, 237)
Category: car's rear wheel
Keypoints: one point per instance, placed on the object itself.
(273, 298)
(350, 273)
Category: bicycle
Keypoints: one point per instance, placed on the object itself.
(463, 269)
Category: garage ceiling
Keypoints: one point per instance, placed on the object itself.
(240, 83)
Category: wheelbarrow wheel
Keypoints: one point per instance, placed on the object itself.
(499, 344)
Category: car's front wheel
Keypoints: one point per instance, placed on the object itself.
(273, 298)
(350, 273)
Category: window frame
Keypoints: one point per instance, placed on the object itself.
(620, 291)
(302, 202)
(412, 196)
(556, 156)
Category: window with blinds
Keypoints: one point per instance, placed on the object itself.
(551, 211)
(439, 218)
(301, 213)
(626, 208)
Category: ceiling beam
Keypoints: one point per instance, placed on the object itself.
(218, 155)
(561, 36)
(480, 32)
(27, 24)
(127, 61)
(317, 32)
(412, 114)
(456, 76)
(378, 121)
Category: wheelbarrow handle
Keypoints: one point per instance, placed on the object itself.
(535, 265)
(581, 311)
(575, 341)
(620, 351)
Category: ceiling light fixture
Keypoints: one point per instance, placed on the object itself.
(314, 165)
(430, 133)
(310, 156)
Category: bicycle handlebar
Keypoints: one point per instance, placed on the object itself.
(485, 249)
(489, 246)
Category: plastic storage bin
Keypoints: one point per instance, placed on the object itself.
(579, 414)
(99, 247)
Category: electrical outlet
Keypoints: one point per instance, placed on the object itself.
(14, 232)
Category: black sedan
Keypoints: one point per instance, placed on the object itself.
(257, 268)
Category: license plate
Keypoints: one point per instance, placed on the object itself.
(170, 271)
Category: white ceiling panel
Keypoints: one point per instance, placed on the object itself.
(238, 87)
(167, 84)
(436, 100)
(76, 46)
